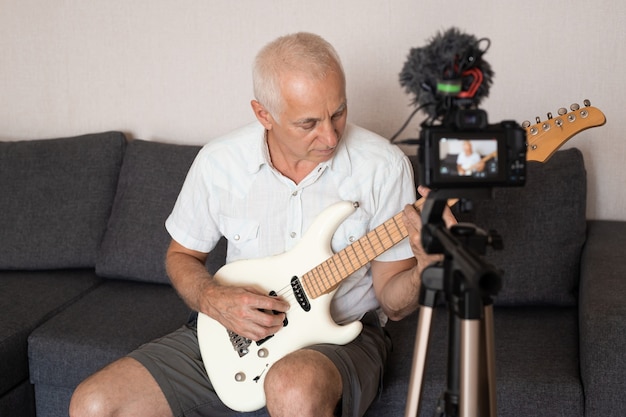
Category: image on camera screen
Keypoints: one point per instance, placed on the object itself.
(477, 158)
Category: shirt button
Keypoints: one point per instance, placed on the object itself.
(295, 193)
(352, 238)
(292, 234)
(236, 237)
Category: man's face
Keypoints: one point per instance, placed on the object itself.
(312, 120)
(467, 147)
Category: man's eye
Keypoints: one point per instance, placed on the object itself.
(338, 115)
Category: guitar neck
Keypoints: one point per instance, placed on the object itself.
(327, 275)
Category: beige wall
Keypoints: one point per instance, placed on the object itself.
(178, 71)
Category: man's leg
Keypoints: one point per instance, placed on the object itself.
(305, 383)
(314, 381)
(124, 387)
(165, 377)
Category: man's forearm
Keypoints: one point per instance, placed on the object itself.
(401, 294)
(189, 277)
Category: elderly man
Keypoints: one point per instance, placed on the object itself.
(261, 187)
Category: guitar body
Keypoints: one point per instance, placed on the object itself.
(238, 380)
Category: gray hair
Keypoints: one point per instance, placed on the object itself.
(302, 52)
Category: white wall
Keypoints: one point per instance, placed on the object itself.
(179, 71)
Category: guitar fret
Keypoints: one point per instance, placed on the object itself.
(355, 256)
(388, 241)
(386, 238)
(328, 272)
(314, 290)
(331, 264)
(318, 289)
(346, 271)
(324, 274)
(363, 254)
(366, 246)
(352, 267)
(377, 242)
(336, 276)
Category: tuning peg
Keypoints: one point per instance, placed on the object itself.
(574, 106)
(549, 115)
(562, 111)
(525, 124)
(587, 103)
(538, 119)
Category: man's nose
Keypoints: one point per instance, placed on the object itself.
(329, 135)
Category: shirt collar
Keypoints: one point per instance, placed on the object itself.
(259, 154)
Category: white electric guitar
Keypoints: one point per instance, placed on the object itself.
(308, 275)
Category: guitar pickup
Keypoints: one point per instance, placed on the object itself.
(260, 342)
(298, 291)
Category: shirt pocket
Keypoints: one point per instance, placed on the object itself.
(242, 236)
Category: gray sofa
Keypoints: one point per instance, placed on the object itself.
(82, 280)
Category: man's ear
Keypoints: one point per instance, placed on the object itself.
(262, 115)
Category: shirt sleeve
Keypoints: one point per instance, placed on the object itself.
(191, 222)
(397, 191)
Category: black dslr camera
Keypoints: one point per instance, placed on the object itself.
(465, 151)
(458, 148)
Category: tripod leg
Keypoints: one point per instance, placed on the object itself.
(490, 352)
(478, 367)
(420, 352)
(469, 403)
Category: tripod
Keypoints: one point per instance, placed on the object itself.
(468, 284)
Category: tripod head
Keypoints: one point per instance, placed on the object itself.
(461, 245)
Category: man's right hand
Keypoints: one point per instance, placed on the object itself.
(245, 311)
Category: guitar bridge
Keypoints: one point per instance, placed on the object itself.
(240, 343)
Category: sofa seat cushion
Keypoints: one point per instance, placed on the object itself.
(56, 199)
(28, 299)
(537, 369)
(135, 242)
(20, 401)
(106, 324)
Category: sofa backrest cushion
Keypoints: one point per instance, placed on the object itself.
(55, 199)
(136, 241)
(543, 227)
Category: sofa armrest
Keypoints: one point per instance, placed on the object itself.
(602, 316)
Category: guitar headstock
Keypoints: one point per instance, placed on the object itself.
(545, 138)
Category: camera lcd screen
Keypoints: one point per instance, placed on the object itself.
(467, 159)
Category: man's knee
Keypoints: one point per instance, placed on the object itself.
(124, 385)
(305, 379)
(87, 401)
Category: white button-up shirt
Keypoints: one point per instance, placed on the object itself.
(232, 190)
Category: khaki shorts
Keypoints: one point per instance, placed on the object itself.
(175, 363)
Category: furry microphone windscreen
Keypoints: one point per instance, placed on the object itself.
(448, 56)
